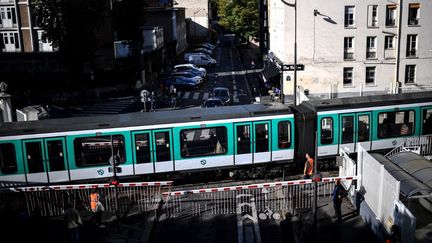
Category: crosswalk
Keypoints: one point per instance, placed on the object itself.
(187, 95)
(114, 106)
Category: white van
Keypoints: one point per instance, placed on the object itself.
(201, 60)
(188, 54)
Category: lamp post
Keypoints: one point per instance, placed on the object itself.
(295, 46)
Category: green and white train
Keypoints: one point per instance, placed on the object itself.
(80, 149)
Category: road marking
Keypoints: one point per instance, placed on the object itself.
(186, 95)
(234, 87)
(196, 95)
(236, 99)
(206, 95)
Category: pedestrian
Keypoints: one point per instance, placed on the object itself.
(97, 207)
(73, 223)
(286, 226)
(308, 167)
(338, 194)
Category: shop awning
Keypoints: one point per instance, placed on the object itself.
(269, 72)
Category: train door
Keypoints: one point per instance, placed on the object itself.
(143, 155)
(426, 121)
(45, 160)
(55, 151)
(363, 130)
(261, 142)
(346, 139)
(243, 144)
(162, 150)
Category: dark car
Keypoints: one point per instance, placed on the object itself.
(212, 102)
(223, 94)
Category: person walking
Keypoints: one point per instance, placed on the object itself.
(73, 222)
(338, 194)
(97, 207)
(308, 167)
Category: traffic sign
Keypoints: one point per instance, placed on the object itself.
(292, 67)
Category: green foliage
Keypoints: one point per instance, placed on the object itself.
(239, 16)
(72, 26)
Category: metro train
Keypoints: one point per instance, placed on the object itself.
(244, 136)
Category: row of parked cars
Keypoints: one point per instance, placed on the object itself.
(191, 74)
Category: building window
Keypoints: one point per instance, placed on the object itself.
(413, 15)
(391, 15)
(203, 142)
(395, 124)
(349, 16)
(371, 47)
(389, 42)
(9, 41)
(327, 130)
(7, 17)
(370, 75)
(93, 151)
(284, 134)
(410, 74)
(8, 163)
(373, 15)
(347, 76)
(411, 46)
(348, 48)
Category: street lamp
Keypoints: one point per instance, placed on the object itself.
(295, 46)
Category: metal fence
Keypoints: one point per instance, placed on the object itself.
(269, 198)
(50, 201)
(421, 145)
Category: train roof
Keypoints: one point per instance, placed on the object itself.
(141, 119)
(367, 101)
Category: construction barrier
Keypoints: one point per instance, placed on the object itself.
(269, 198)
(50, 200)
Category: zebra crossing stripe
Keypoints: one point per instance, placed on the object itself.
(196, 95)
(186, 95)
(236, 99)
(205, 96)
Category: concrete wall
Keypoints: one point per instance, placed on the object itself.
(320, 45)
(198, 12)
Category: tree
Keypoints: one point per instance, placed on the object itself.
(239, 16)
(72, 26)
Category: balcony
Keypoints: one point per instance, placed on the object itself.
(414, 21)
(6, 2)
(370, 54)
(411, 53)
(348, 55)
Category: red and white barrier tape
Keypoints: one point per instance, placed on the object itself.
(89, 186)
(255, 186)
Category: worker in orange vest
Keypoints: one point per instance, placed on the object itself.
(308, 167)
(97, 207)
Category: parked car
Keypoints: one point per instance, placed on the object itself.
(212, 102)
(206, 45)
(188, 54)
(190, 66)
(223, 94)
(180, 82)
(203, 50)
(201, 60)
(197, 78)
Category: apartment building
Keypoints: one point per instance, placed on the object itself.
(351, 48)
(197, 15)
(18, 32)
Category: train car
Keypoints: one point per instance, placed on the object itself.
(83, 148)
(378, 122)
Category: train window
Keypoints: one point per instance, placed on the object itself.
(142, 146)
(243, 139)
(347, 129)
(163, 150)
(203, 141)
(8, 163)
(284, 134)
(327, 130)
(91, 151)
(363, 128)
(34, 157)
(55, 155)
(261, 138)
(395, 123)
(427, 121)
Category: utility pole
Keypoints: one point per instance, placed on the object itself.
(295, 53)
